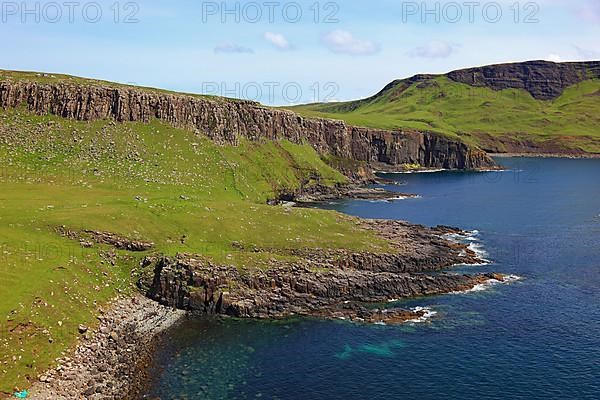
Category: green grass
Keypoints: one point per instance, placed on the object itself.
(477, 115)
(148, 181)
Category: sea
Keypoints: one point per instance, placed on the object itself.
(534, 337)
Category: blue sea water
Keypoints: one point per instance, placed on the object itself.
(537, 338)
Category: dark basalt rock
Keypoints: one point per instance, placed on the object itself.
(197, 285)
(318, 193)
(544, 80)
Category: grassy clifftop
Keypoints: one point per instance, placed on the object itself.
(52, 78)
(149, 182)
(506, 120)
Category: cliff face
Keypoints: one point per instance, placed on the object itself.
(544, 80)
(227, 121)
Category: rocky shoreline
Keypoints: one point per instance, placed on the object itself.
(111, 359)
(318, 282)
(320, 193)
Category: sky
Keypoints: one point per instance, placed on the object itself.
(288, 52)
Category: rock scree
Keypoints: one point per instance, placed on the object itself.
(111, 359)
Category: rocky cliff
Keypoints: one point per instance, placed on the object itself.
(544, 80)
(226, 121)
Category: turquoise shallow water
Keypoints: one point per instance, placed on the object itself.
(538, 338)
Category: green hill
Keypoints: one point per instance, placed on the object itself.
(534, 107)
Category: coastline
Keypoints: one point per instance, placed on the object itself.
(327, 283)
(110, 361)
(546, 155)
(354, 190)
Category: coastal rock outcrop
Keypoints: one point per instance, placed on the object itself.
(316, 282)
(227, 121)
(196, 285)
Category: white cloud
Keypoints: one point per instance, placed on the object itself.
(434, 49)
(343, 42)
(278, 40)
(554, 58)
(229, 47)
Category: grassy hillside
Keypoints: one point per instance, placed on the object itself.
(143, 181)
(494, 120)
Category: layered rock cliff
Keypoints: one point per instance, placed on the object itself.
(226, 121)
(544, 80)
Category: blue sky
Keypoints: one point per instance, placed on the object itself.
(349, 49)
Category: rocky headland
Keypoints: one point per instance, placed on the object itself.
(319, 193)
(317, 282)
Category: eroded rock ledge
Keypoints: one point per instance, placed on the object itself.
(319, 193)
(318, 282)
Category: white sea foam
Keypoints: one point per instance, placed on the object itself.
(391, 199)
(489, 283)
(459, 237)
(478, 249)
(429, 313)
(403, 197)
(424, 171)
(471, 237)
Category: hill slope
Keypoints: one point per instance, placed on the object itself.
(149, 181)
(533, 107)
